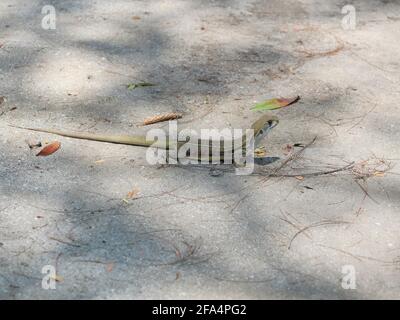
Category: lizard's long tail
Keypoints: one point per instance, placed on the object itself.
(120, 139)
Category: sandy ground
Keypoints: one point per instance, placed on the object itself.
(187, 233)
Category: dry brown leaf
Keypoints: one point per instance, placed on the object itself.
(49, 149)
(136, 18)
(275, 103)
(161, 118)
(131, 194)
(299, 178)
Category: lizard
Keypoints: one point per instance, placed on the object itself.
(261, 128)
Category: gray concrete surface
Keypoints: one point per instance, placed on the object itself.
(189, 234)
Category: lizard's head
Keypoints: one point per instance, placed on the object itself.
(263, 125)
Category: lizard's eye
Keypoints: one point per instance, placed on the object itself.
(261, 132)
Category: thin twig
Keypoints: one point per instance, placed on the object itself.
(292, 157)
(64, 242)
(238, 203)
(317, 224)
(311, 174)
(362, 118)
(364, 189)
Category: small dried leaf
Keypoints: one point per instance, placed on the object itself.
(275, 103)
(132, 194)
(136, 18)
(299, 178)
(49, 149)
(161, 118)
(99, 161)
